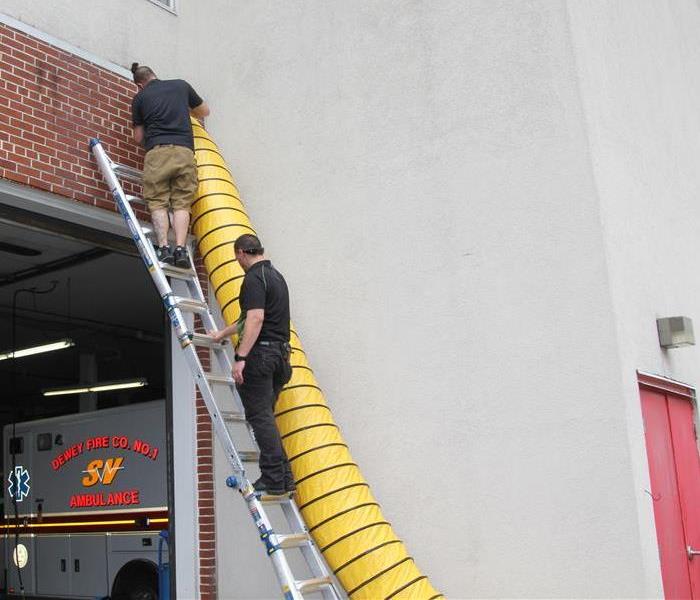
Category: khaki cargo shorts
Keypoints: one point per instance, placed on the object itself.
(169, 177)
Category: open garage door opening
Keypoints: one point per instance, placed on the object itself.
(83, 378)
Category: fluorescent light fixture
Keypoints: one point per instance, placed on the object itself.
(60, 345)
(63, 392)
(97, 387)
(123, 385)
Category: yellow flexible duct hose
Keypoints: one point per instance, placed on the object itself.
(340, 511)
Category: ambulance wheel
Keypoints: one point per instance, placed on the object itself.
(136, 580)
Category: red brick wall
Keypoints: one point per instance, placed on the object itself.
(51, 103)
(205, 472)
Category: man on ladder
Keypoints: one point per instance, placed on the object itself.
(261, 364)
(161, 118)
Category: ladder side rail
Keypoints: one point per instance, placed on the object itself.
(208, 321)
(197, 289)
(210, 324)
(224, 361)
(226, 366)
(222, 356)
(318, 567)
(215, 415)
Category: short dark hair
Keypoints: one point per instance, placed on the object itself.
(141, 73)
(249, 244)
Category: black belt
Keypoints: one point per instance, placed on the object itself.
(270, 343)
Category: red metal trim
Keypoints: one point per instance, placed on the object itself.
(657, 382)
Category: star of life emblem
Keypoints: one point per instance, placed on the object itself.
(19, 483)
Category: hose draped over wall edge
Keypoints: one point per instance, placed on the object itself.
(340, 511)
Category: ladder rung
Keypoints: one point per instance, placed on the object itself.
(223, 379)
(139, 201)
(249, 455)
(129, 173)
(292, 540)
(232, 417)
(283, 499)
(316, 584)
(201, 339)
(177, 272)
(189, 304)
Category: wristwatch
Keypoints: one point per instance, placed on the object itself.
(239, 358)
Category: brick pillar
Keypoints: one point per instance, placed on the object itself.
(205, 470)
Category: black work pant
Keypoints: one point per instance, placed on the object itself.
(266, 371)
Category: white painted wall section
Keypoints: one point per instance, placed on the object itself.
(481, 208)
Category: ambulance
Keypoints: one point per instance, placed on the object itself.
(84, 505)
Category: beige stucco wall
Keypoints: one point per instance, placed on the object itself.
(481, 207)
(641, 89)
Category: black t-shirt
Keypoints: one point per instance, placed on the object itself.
(162, 107)
(264, 287)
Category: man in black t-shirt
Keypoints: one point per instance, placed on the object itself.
(261, 366)
(161, 117)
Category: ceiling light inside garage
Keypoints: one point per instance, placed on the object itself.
(97, 387)
(64, 391)
(60, 345)
(123, 385)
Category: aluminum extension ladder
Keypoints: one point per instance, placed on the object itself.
(276, 544)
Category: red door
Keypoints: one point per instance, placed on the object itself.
(674, 469)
